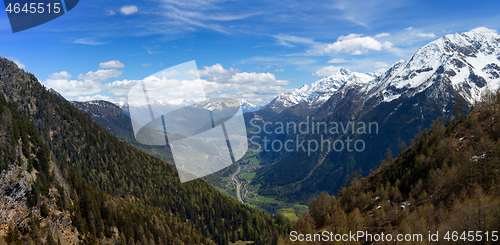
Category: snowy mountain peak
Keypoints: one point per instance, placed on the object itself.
(469, 60)
(248, 107)
(175, 102)
(468, 63)
(318, 92)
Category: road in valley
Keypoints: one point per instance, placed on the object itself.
(238, 184)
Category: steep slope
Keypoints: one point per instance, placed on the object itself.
(447, 182)
(109, 116)
(402, 102)
(121, 170)
(47, 203)
(117, 123)
(112, 118)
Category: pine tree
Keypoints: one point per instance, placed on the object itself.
(13, 236)
(458, 108)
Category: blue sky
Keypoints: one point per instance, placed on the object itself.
(252, 49)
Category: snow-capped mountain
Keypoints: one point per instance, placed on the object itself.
(93, 105)
(320, 91)
(176, 102)
(404, 101)
(248, 107)
(161, 105)
(221, 104)
(469, 62)
(168, 106)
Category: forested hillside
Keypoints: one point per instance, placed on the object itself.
(448, 180)
(41, 207)
(80, 147)
(117, 123)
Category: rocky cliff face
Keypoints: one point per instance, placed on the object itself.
(16, 184)
(19, 147)
(15, 187)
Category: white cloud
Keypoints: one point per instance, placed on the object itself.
(384, 34)
(252, 77)
(254, 87)
(111, 64)
(100, 75)
(282, 82)
(381, 70)
(92, 97)
(336, 60)
(218, 82)
(145, 64)
(89, 83)
(381, 64)
(60, 82)
(129, 9)
(119, 89)
(279, 70)
(216, 70)
(63, 75)
(326, 71)
(110, 12)
(419, 33)
(159, 88)
(172, 73)
(483, 29)
(356, 44)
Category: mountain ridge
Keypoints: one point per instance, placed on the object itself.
(453, 50)
(86, 149)
(315, 94)
(477, 50)
(400, 109)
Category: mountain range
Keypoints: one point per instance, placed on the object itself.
(403, 101)
(65, 179)
(174, 105)
(469, 60)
